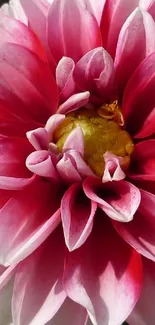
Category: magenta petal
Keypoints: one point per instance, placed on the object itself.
(40, 163)
(32, 82)
(67, 312)
(148, 127)
(94, 72)
(75, 141)
(143, 313)
(13, 31)
(38, 291)
(135, 43)
(28, 218)
(148, 5)
(138, 99)
(143, 161)
(77, 213)
(140, 233)
(74, 102)
(119, 200)
(64, 78)
(104, 275)
(64, 40)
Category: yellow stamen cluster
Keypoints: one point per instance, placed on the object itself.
(102, 132)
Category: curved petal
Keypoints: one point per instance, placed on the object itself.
(95, 8)
(75, 141)
(53, 122)
(140, 232)
(148, 127)
(64, 36)
(82, 168)
(41, 163)
(39, 138)
(114, 16)
(135, 43)
(67, 169)
(38, 291)
(64, 78)
(74, 102)
(77, 213)
(94, 72)
(144, 313)
(143, 161)
(14, 31)
(67, 312)
(119, 200)
(13, 172)
(148, 5)
(28, 218)
(32, 83)
(138, 99)
(104, 275)
(112, 169)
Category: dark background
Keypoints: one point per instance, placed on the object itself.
(3, 1)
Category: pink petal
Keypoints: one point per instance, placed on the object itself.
(74, 102)
(75, 141)
(140, 233)
(143, 313)
(13, 172)
(28, 218)
(67, 312)
(77, 213)
(94, 72)
(38, 291)
(64, 35)
(14, 10)
(119, 200)
(138, 99)
(104, 275)
(38, 138)
(112, 169)
(95, 8)
(67, 169)
(37, 12)
(143, 161)
(64, 78)
(135, 43)
(82, 168)
(32, 82)
(114, 16)
(41, 163)
(148, 5)
(14, 31)
(53, 122)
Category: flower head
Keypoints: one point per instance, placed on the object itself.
(77, 153)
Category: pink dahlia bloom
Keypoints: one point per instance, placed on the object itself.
(77, 162)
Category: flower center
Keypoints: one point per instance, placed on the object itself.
(103, 131)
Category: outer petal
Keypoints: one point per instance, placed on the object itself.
(68, 38)
(138, 99)
(14, 31)
(143, 161)
(104, 276)
(144, 314)
(69, 311)
(36, 12)
(32, 83)
(114, 16)
(94, 72)
(38, 291)
(148, 5)
(135, 43)
(119, 200)
(77, 213)
(96, 8)
(13, 172)
(28, 218)
(140, 233)
(14, 10)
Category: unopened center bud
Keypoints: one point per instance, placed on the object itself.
(102, 132)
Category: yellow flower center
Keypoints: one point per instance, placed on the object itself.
(103, 131)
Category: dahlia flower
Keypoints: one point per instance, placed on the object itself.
(77, 162)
